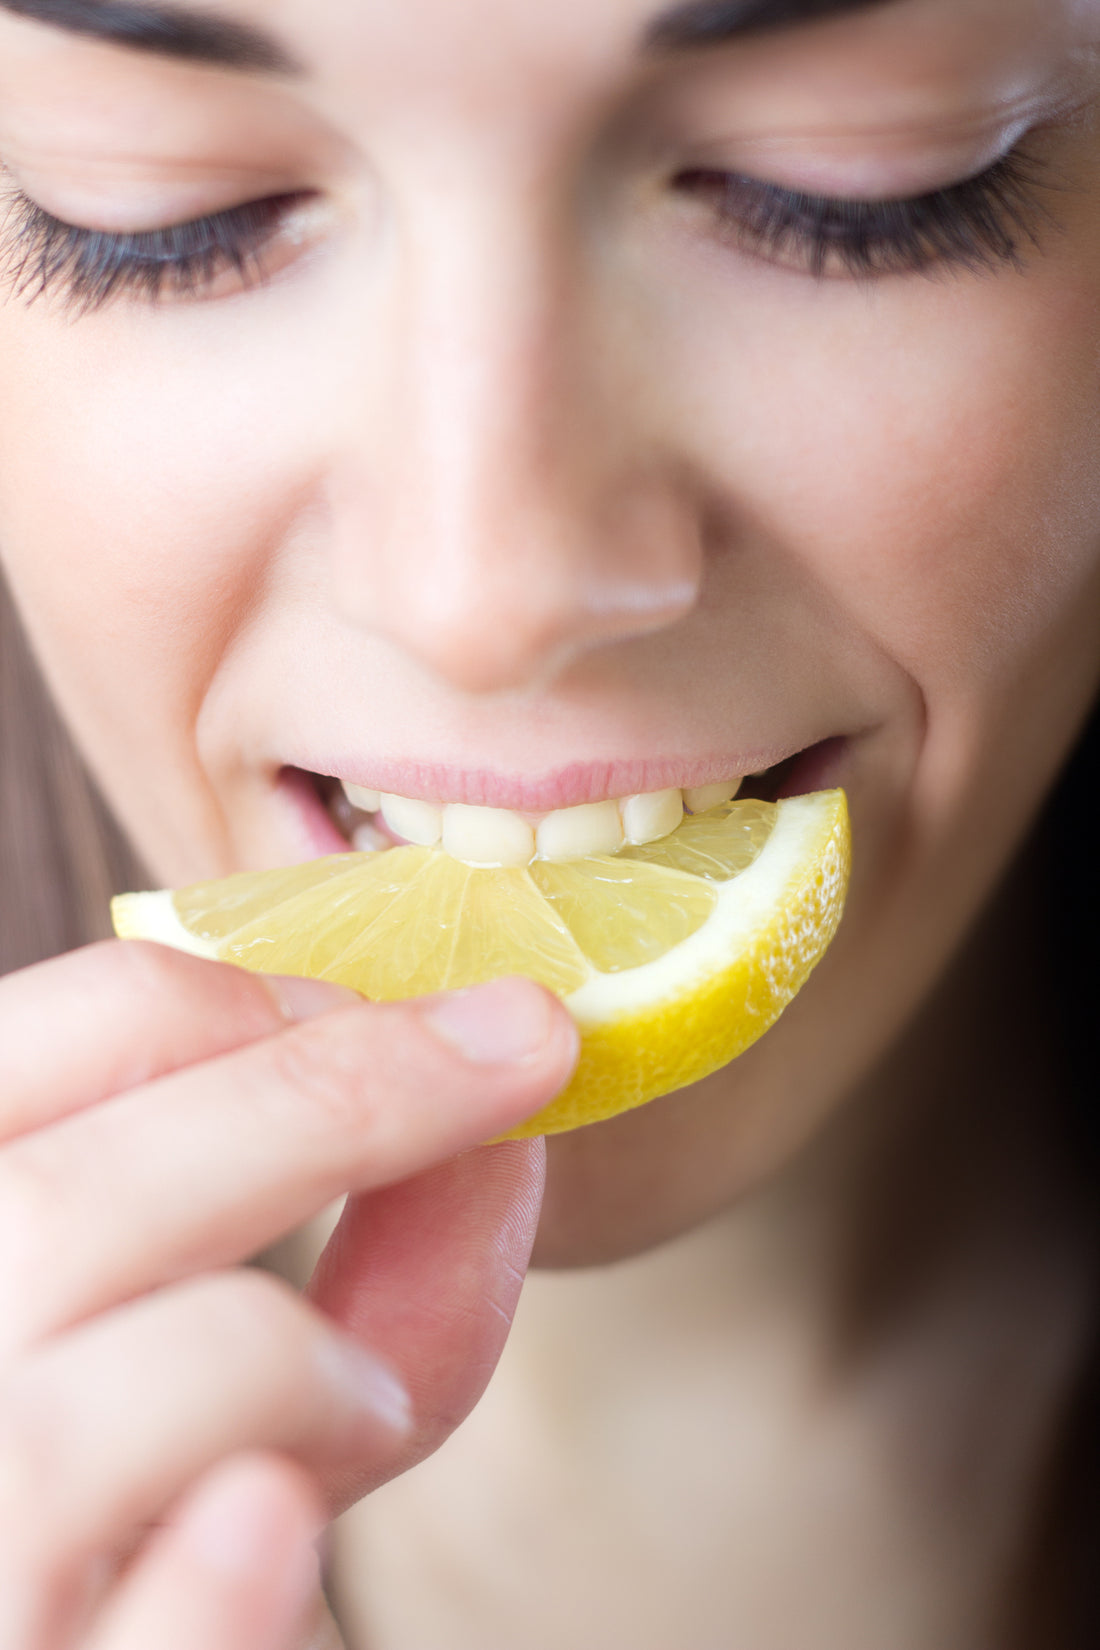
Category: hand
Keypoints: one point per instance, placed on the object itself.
(175, 1429)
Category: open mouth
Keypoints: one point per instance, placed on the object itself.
(365, 820)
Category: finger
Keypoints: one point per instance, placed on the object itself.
(113, 1016)
(235, 1569)
(210, 1165)
(430, 1271)
(103, 1429)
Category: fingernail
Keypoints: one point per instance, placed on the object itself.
(298, 999)
(503, 1023)
(370, 1384)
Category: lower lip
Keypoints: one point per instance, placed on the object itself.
(817, 768)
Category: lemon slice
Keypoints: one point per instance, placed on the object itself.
(672, 957)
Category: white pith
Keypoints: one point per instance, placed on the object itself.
(494, 838)
(745, 907)
(153, 917)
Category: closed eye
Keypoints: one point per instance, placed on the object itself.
(40, 253)
(981, 223)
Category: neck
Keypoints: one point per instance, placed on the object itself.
(850, 1378)
(959, 1148)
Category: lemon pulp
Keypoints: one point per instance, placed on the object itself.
(672, 957)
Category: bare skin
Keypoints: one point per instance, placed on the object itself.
(132, 1372)
(826, 1418)
(519, 466)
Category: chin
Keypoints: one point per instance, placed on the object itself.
(617, 1189)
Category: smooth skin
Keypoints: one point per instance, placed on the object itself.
(519, 469)
(153, 1379)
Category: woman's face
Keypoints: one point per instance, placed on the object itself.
(560, 441)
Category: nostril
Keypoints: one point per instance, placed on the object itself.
(486, 635)
(505, 596)
(503, 639)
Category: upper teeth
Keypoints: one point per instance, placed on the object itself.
(501, 837)
(487, 836)
(360, 797)
(419, 822)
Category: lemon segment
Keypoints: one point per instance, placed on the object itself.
(716, 845)
(672, 957)
(622, 915)
(676, 1020)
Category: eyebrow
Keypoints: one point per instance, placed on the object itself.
(713, 22)
(165, 30)
(169, 30)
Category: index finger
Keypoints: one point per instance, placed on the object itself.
(204, 1167)
(82, 1027)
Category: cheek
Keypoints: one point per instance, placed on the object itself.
(151, 470)
(929, 452)
(147, 477)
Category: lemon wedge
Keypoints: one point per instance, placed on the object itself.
(672, 957)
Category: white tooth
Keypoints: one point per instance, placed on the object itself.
(574, 833)
(702, 798)
(368, 839)
(360, 797)
(649, 817)
(419, 822)
(487, 836)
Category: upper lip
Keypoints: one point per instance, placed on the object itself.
(564, 787)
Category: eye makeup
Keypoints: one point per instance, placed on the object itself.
(40, 253)
(978, 224)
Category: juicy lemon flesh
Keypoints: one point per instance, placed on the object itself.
(642, 929)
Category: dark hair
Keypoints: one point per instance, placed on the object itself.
(61, 855)
(1059, 1583)
(1073, 905)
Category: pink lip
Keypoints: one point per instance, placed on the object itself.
(807, 768)
(562, 788)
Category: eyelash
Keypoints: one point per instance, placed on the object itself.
(41, 253)
(977, 225)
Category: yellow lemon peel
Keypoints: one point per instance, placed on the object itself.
(673, 958)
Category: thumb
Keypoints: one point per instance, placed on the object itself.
(428, 1273)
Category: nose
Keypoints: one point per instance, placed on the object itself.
(504, 506)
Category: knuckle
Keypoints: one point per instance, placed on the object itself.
(147, 976)
(319, 1064)
(140, 970)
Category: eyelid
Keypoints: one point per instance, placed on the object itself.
(830, 113)
(979, 224)
(92, 266)
(135, 198)
(865, 172)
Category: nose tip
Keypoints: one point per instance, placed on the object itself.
(497, 636)
(477, 656)
(504, 590)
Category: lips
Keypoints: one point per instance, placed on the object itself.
(506, 837)
(343, 814)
